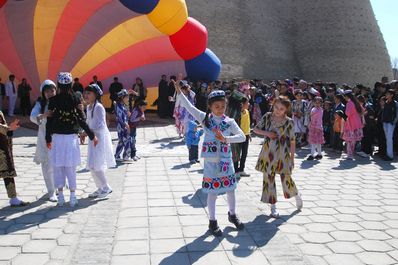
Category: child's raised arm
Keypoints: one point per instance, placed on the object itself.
(197, 114)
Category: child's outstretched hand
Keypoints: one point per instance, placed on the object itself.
(271, 135)
(14, 125)
(95, 140)
(49, 146)
(82, 138)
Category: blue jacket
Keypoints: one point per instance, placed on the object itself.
(192, 137)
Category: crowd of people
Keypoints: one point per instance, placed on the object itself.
(356, 119)
(289, 114)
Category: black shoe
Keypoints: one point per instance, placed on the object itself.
(197, 161)
(232, 218)
(214, 228)
(244, 174)
(310, 158)
(20, 204)
(318, 157)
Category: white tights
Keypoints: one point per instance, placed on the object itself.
(100, 179)
(211, 204)
(47, 171)
(60, 175)
(316, 148)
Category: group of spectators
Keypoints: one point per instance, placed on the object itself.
(376, 110)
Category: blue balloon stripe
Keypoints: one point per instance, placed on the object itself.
(140, 6)
(205, 67)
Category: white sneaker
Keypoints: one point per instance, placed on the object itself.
(95, 194)
(104, 193)
(135, 158)
(119, 159)
(138, 157)
(299, 202)
(274, 212)
(73, 201)
(128, 160)
(52, 197)
(61, 199)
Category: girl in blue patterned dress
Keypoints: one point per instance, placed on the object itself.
(123, 129)
(219, 132)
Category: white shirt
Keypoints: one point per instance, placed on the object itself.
(9, 90)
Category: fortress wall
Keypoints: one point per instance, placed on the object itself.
(248, 36)
(340, 41)
(332, 40)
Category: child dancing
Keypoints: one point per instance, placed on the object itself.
(219, 175)
(277, 154)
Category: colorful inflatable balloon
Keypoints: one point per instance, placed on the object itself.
(126, 38)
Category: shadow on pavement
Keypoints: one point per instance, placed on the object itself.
(37, 217)
(256, 234)
(196, 200)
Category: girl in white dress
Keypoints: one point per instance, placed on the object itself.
(39, 116)
(101, 157)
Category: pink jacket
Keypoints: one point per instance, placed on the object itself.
(354, 119)
(316, 118)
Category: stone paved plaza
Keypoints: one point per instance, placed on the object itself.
(157, 213)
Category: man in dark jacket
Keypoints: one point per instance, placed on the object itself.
(24, 97)
(115, 88)
(163, 99)
(77, 86)
(171, 91)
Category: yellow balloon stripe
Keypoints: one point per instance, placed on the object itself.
(5, 73)
(169, 16)
(124, 35)
(47, 15)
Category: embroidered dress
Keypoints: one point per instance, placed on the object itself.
(315, 128)
(101, 156)
(181, 115)
(122, 133)
(218, 173)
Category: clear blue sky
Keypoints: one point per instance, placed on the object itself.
(386, 15)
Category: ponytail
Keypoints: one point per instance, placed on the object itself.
(206, 120)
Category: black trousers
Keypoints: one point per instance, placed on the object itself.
(244, 147)
(367, 141)
(381, 140)
(337, 141)
(193, 153)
